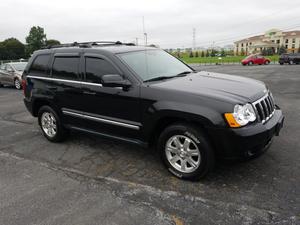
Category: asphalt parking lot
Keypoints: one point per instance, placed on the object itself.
(92, 180)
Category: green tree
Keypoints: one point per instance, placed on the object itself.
(197, 54)
(242, 52)
(269, 51)
(52, 42)
(35, 40)
(213, 53)
(281, 50)
(207, 53)
(191, 54)
(223, 52)
(202, 54)
(11, 49)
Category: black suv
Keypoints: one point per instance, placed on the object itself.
(146, 96)
(290, 58)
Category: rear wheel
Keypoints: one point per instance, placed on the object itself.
(51, 124)
(267, 62)
(186, 151)
(17, 84)
(291, 62)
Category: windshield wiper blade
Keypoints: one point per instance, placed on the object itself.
(183, 73)
(159, 78)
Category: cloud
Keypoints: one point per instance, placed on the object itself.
(168, 23)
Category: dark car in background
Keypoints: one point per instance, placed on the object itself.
(255, 59)
(11, 74)
(290, 58)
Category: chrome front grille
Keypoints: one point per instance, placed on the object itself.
(265, 107)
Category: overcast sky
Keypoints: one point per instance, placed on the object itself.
(169, 23)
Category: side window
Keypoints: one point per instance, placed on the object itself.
(3, 67)
(9, 68)
(40, 65)
(95, 68)
(65, 68)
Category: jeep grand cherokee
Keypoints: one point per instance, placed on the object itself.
(145, 96)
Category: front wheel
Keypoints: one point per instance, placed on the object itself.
(250, 63)
(291, 62)
(186, 151)
(18, 84)
(51, 124)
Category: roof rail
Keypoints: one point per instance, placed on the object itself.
(88, 44)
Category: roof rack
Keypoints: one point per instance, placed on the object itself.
(88, 44)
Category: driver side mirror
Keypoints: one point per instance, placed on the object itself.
(115, 80)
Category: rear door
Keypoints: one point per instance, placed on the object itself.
(3, 74)
(6, 74)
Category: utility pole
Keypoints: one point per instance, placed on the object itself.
(194, 39)
(144, 32)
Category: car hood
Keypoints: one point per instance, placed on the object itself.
(215, 85)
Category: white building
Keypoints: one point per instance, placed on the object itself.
(271, 39)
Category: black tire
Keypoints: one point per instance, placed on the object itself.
(61, 131)
(281, 63)
(267, 62)
(206, 164)
(291, 62)
(1, 85)
(250, 63)
(18, 84)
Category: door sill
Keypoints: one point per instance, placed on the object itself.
(129, 140)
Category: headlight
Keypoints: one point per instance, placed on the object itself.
(242, 115)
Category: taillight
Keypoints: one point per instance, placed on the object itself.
(24, 85)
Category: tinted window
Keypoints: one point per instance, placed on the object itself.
(95, 68)
(2, 67)
(65, 68)
(40, 65)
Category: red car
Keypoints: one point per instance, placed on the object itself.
(255, 59)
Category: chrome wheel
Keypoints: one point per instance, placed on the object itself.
(182, 153)
(17, 84)
(48, 124)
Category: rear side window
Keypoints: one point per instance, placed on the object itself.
(95, 68)
(65, 68)
(40, 65)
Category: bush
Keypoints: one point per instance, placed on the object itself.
(191, 54)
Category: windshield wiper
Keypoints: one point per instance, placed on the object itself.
(182, 74)
(159, 78)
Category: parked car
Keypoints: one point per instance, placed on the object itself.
(290, 58)
(255, 59)
(11, 74)
(144, 95)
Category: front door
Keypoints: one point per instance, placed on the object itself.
(112, 110)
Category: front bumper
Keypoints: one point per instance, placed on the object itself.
(247, 141)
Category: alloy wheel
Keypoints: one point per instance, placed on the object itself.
(48, 124)
(183, 153)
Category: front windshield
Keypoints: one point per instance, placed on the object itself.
(149, 64)
(19, 66)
